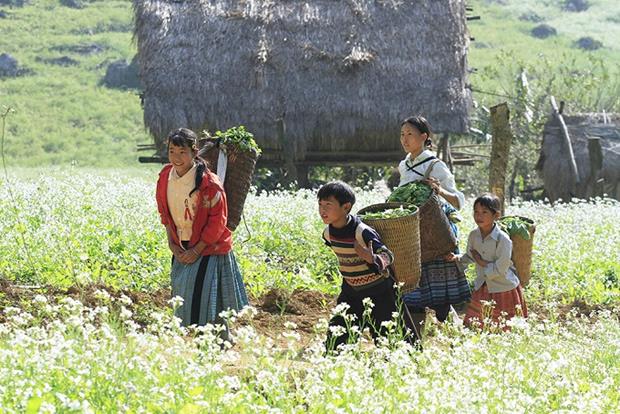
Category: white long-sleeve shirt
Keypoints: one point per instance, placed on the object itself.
(182, 206)
(415, 170)
(495, 248)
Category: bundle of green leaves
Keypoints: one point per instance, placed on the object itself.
(387, 214)
(516, 226)
(238, 139)
(416, 193)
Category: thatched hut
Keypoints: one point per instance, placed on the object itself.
(316, 82)
(587, 133)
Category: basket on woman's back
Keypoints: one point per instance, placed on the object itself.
(436, 236)
(240, 166)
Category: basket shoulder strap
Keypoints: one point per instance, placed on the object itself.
(359, 230)
(429, 169)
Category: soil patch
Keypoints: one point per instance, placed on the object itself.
(275, 309)
(304, 308)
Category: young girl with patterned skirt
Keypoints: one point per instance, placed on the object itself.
(192, 206)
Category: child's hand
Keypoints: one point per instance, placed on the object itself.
(450, 257)
(478, 258)
(364, 252)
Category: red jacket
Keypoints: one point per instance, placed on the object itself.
(210, 216)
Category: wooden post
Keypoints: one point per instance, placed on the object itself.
(557, 112)
(287, 152)
(449, 160)
(443, 151)
(440, 147)
(303, 180)
(595, 153)
(500, 151)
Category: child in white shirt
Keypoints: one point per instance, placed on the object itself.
(490, 249)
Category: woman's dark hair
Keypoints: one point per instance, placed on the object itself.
(184, 137)
(421, 124)
(340, 190)
(489, 201)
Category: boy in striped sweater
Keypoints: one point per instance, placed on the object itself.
(364, 263)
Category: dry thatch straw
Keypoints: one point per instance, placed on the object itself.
(554, 164)
(324, 77)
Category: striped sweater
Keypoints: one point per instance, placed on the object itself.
(356, 271)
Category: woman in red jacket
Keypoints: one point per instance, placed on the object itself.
(192, 205)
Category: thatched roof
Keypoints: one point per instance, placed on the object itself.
(324, 76)
(554, 162)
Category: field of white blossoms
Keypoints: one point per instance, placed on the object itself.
(83, 229)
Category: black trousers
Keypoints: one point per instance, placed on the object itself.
(384, 297)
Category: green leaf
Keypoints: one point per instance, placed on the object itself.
(415, 193)
(33, 405)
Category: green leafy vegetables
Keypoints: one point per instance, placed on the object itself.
(514, 225)
(415, 193)
(238, 138)
(387, 214)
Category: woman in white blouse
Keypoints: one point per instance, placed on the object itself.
(442, 283)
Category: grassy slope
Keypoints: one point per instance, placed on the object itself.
(502, 38)
(63, 115)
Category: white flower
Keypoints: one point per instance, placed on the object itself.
(125, 313)
(102, 295)
(291, 335)
(39, 299)
(248, 311)
(290, 325)
(176, 302)
(230, 382)
(337, 330)
(228, 315)
(388, 324)
(341, 309)
(125, 300)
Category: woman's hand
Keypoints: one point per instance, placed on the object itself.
(176, 250)
(448, 196)
(364, 252)
(189, 256)
(434, 183)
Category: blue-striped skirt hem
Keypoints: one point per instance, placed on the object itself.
(208, 286)
(441, 283)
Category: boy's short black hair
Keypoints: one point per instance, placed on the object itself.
(341, 192)
(489, 201)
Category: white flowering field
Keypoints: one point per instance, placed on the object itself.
(82, 229)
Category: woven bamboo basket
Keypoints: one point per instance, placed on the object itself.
(522, 253)
(402, 236)
(238, 176)
(436, 236)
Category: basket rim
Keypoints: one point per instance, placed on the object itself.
(387, 206)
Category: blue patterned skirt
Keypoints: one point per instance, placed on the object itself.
(209, 286)
(441, 283)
